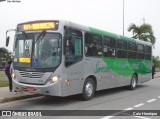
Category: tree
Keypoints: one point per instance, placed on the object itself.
(156, 61)
(5, 55)
(143, 32)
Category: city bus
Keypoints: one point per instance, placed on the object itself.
(62, 58)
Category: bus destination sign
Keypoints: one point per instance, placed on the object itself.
(38, 26)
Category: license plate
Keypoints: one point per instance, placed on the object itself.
(31, 89)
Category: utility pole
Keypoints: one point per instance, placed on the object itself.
(143, 20)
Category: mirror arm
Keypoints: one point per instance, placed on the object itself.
(7, 38)
(9, 31)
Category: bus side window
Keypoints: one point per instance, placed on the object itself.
(70, 49)
(92, 50)
(147, 52)
(93, 45)
(111, 52)
(121, 49)
(73, 47)
(109, 45)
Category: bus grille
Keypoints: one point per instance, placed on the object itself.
(31, 74)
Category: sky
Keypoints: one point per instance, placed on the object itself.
(102, 14)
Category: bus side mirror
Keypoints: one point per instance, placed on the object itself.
(7, 41)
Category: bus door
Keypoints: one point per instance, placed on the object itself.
(73, 49)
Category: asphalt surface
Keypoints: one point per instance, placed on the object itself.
(145, 97)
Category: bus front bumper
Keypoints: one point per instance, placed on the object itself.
(51, 89)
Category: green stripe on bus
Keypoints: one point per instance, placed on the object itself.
(128, 67)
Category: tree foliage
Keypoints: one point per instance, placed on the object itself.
(143, 32)
(156, 61)
(5, 55)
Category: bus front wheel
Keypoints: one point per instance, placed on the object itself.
(88, 89)
(133, 83)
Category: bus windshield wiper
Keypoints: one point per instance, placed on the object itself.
(41, 35)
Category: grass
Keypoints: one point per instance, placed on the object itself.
(157, 69)
(2, 74)
(4, 83)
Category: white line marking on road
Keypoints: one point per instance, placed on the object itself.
(142, 117)
(107, 117)
(128, 109)
(151, 100)
(139, 105)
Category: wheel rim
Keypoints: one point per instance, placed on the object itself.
(89, 89)
(134, 82)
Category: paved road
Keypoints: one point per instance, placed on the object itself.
(145, 97)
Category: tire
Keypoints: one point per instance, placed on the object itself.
(133, 83)
(88, 89)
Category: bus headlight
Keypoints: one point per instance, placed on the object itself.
(13, 75)
(53, 79)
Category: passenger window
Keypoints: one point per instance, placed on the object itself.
(121, 44)
(132, 55)
(93, 45)
(121, 49)
(132, 46)
(109, 52)
(109, 45)
(147, 52)
(147, 56)
(147, 49)
(106, 41)
(140, 55)
(113, 43)
(73, 47)
(140, 51)
(140, 48)
(121, 54)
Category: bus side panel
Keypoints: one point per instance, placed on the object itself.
(145, 70)
(72, 82)
(144, 78)
(97, 68)
(120, 71)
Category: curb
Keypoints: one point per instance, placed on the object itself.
(2, 100)
(157, 77)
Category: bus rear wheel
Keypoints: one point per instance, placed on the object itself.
(88, 89)
(133, 83)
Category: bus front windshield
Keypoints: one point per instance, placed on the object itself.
(34, 50)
